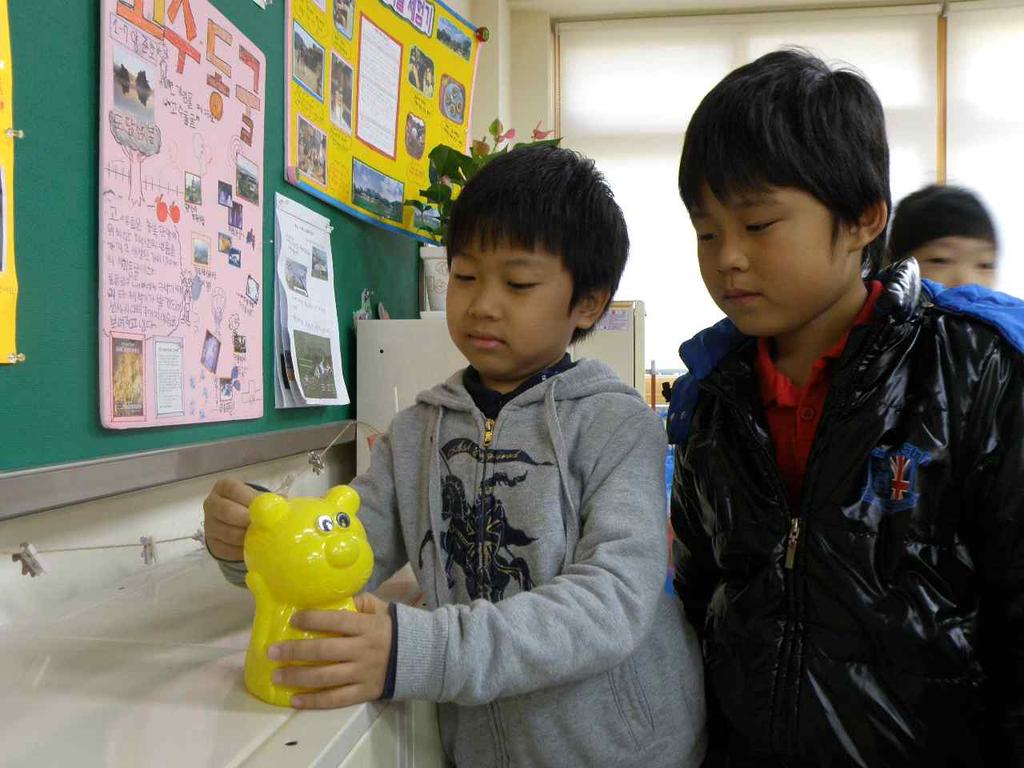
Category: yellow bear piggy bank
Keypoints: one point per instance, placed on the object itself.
(301, 554)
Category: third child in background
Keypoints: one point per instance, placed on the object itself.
(949, 232)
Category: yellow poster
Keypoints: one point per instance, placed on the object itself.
(373, 86)
(8, 278)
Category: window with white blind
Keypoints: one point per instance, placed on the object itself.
(986, 120)
(627, 90)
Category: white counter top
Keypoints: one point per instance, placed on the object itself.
(150, 674)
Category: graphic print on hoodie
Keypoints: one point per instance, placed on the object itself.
(480, 539)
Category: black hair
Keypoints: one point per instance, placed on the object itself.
(935, 212)
(789, 120)
(548, 197)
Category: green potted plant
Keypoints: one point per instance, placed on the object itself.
(449, 172)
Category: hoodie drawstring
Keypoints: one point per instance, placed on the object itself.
(434, 496)
(570, 528)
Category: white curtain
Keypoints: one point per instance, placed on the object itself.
(627, 90)
(986, 120)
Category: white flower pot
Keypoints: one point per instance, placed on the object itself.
(434, 280)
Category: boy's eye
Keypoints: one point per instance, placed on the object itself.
(464, 278)
(521, 286)
(989, 266)
(761, 227)
(941, 261)
(705, 237)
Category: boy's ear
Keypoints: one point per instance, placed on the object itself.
(589, 308)
(870, 225)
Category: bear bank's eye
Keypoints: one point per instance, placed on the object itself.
(343, 520)
(324, 523)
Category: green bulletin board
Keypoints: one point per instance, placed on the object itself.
(49, 405)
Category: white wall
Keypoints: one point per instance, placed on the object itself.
(461, 7)
(532, 71)
(492, 95)
(166, 512)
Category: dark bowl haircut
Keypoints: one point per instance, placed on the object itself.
(547, 198)
(789, 120)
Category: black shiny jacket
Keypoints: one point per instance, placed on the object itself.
(881, 623)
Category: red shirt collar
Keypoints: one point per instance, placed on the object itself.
(776, 387)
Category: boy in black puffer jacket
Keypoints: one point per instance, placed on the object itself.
(849, 489)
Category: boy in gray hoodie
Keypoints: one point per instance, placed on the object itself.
(528, 493)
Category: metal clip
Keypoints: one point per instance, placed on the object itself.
(29, 559)
(148, 549)
(16, 357)
(15, 133)
(316, 461)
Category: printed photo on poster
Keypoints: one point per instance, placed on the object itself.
(169, 372)
(127, 372)
(211, 352)
(454, 38)
(421, 72)
(341, 93)
(312, 152)
(223, 242)
(200, 250)
(319, 270)
(307, 61)
(224, 195)
(247, 181)
(376, 192)
(295, 277)
(252, 289)
(453, 100)
(193, 189)
(415, 136)
(234, 258)
(225, 389)
(344, 14)
(135, 82)
(239, 344)
(315, 364)
(235, 216)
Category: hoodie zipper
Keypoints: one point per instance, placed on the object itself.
(492, 707)
(481, 524)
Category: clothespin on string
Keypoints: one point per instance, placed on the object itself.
(29, 559)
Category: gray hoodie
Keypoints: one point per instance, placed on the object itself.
(540, 543)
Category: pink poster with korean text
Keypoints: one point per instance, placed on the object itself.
(180, 235)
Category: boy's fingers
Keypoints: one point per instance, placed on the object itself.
(226, 534)
(335, 622)
(367, 603)
(322, 649)
(318, 676)
(334, 698)
(235, 490)
(228, 511)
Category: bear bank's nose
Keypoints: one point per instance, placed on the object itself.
(343, 552)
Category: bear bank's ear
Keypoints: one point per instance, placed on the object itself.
(268, 508)
(343, 498)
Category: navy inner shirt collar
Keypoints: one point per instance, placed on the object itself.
(491, 402)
